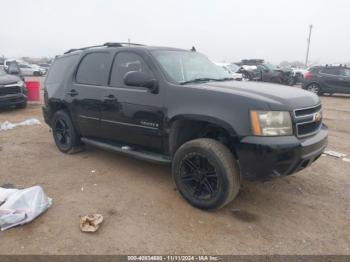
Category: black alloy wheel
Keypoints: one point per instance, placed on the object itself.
(206, 173)
(66, 137)
(199, 176)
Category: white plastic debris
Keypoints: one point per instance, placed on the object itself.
(334, 153)
(20, 206)
(8, 125)
(344, 159)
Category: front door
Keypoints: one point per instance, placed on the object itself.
(132, 115)
(345, 80)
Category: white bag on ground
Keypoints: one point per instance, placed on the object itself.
(8, 125)
(21, 206)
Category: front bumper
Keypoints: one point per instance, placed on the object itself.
(12, 100)
(262, 157)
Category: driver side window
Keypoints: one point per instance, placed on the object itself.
(126, 62)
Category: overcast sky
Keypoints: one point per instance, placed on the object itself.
(223, 30)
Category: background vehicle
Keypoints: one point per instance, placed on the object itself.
(30, 70)
(258, 70)
(13, 91)
(45, 67)
(169, 105)
(232, 69)
(327, 79)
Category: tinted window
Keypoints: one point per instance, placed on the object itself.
(60, 67)
(346, 72)
(331, 70)
(94, 69)
(124, 63)
(314, 69)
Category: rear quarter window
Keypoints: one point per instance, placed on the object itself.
(94, 69)
(60, 68)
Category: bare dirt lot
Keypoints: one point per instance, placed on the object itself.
(307, 213)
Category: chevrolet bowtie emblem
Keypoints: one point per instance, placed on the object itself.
(318, 116)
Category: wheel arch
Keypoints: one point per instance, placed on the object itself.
(191, 126)
(55, 105)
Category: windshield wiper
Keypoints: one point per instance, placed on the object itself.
(225, 79)
(205, 79)
(196, 80)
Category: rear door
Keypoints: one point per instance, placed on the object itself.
(330, 77)
(132, 115)
(86, 91)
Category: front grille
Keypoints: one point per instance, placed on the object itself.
(308, 120)
(308, 128)
(307, 111)
(9, 90)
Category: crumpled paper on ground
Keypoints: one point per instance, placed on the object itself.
(90, 223)
(7, 125)
(20, 206)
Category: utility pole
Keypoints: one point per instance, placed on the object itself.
(129, 41)
(308, 45)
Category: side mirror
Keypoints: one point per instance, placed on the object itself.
(141, 79)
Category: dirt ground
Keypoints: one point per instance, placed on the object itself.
(307, 213)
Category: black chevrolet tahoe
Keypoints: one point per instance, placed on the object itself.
(169, 105)
(13, 91)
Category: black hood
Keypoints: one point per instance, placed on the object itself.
(9, 79)
(277, 97)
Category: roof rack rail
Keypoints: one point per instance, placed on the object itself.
(108, 44)
(81, 49)
(120, 44)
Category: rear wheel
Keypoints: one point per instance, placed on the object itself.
(206, 173)
(314, 88)
(66, 138)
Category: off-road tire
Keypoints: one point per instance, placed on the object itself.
(223, 161)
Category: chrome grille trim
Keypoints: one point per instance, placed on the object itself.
(301, 120)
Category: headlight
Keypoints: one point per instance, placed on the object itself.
(271, 123)
(20, 83)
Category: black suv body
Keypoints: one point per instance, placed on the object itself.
(170, 105)
(327, 79)
(13, 91)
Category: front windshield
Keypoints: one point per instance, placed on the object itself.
(184, 66)
(271, 66)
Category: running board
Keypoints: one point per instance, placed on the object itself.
(138, 154)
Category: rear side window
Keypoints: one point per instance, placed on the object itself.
(124, 63)
(94, 69)
(331, 70)
(60, 67)
(346, 72)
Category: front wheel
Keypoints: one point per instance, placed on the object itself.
(206, 173)
(314, 88)
(64, 133)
